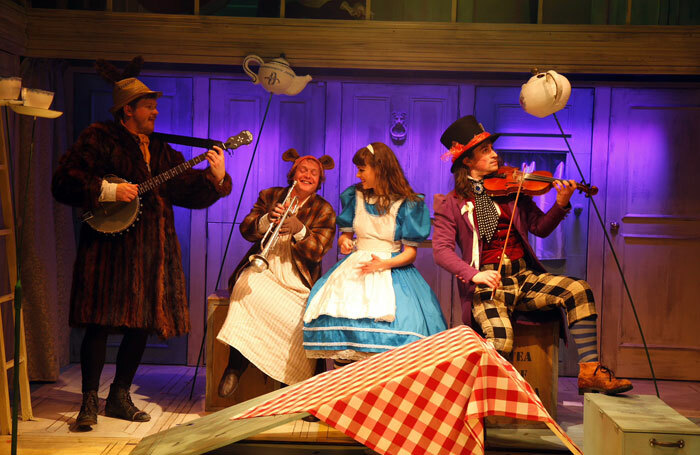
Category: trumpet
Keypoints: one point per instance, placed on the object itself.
(259, 261)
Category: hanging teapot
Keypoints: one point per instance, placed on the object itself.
(276, 76)
(545, 94)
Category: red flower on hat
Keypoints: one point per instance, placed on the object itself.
(457, 149)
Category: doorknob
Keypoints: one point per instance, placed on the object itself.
(614, 227)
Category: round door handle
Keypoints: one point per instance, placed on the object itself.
(614, 227)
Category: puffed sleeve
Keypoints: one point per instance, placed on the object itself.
(413, 222)
(347, 214)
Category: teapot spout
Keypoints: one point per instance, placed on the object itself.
(297, 85)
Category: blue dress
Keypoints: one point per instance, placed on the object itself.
(351, 316)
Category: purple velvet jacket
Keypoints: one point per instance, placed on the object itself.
(451, 228)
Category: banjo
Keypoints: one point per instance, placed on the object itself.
(116, 217)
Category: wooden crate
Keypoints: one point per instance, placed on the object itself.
(536, 357)
(253, 382)
(636, 425)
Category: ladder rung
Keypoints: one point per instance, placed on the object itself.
(6, 298)
(11, 363)
(5, 231)
(2, 167)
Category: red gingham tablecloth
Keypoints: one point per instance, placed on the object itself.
(429, 396)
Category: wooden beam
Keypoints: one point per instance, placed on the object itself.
(375, 45)
(13, 28)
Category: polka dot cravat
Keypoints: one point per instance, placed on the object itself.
(486, 214)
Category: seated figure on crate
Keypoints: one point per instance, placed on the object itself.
(477, 223)
(264, 320)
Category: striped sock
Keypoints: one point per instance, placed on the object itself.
(584, 333)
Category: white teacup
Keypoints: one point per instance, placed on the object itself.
(33, 97)
(10, 87)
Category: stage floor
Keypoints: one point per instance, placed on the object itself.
(163, 391)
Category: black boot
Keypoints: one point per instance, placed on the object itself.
(237, 364)
(87, 417)
(119, 405)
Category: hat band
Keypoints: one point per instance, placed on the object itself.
(457, 149)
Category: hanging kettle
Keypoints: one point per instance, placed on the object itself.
(545, 94)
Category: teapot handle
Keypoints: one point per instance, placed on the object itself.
(558, 88)
(248, 71)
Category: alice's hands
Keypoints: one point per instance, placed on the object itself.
(345, 244)
(217, 165)
(375, 265)
(565, 189)
(127, 192)
(490, 278)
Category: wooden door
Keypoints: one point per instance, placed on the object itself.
(92, 100)
(652, 163)
(368, 114)
(292, 122)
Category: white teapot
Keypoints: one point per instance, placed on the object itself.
(276, 76)
(545, 94)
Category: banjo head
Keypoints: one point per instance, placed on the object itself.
(114, 217)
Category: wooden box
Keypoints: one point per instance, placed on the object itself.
(636, 425)
(536, 357)
(253, 382)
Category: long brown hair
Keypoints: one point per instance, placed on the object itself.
(390, 181)
(463, 186)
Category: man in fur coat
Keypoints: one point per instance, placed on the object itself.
(264, 321)
(475, 222)
(132, 283)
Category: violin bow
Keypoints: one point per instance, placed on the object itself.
(510, 225)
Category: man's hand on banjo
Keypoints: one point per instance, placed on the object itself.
(127, 192)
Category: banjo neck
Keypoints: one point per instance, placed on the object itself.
(163, 177)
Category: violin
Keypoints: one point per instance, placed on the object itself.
(507, 180)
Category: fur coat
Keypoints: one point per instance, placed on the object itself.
(134, 279)
(316, 214)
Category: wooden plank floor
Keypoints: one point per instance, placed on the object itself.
(163, 391)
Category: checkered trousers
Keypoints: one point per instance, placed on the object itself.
(524, 290)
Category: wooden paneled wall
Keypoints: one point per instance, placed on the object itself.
(13, 28)
(377, 45)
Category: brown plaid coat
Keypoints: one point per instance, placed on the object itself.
(319, 218)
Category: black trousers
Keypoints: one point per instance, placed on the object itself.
(94, 349)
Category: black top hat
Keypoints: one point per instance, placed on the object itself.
(462, 137)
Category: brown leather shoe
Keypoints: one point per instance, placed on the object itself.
(119, 405)
(596, 378)
(87, 417)
(228, 383)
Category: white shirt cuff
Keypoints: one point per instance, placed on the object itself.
(109, 192)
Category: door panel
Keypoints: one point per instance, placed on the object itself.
(652, 163)
(92, 100)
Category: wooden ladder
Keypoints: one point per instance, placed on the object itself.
(7, 232)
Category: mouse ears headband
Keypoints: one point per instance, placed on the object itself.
(325, 162)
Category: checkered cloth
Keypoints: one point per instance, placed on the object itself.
(429, 396)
